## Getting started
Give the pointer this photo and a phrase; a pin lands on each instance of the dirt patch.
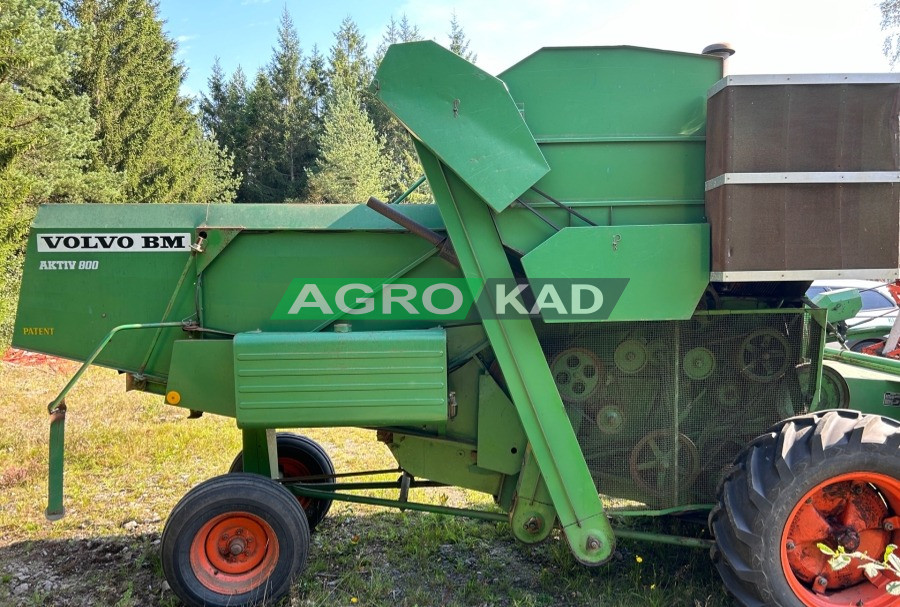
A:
(24, 358)
(83, 572)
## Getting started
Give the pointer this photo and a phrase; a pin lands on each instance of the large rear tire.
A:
(830, 477)
(234, 540)
(300, 456)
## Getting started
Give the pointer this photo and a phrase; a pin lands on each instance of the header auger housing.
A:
(606, 299)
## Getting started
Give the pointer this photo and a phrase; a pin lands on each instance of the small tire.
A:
(300, 456)
(773, 493)
(234, 540)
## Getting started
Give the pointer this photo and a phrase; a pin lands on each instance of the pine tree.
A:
(351, 165)
(127, 69)
(459, 43)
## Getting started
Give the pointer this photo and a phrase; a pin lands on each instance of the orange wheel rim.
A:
(858, 511)
(234, 553)
(291, 468)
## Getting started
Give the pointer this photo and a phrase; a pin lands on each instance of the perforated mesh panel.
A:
(660, 409)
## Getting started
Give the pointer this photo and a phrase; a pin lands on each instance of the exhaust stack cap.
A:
(719, 49)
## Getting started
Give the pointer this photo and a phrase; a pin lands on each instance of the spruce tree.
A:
(294, 150)
(351, 165)
(127, 69)
(459, 43)
(46, 133)
(349, 65)
(404, 167)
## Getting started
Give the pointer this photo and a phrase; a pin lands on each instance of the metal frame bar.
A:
(409, 191)
(777, 79)
(780, 275)
(808, 177)
(100, 347)
(57, 410)
(866, 361)
(496, 517)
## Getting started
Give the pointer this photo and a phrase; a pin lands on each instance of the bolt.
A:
(593, 543)
(236, 547)
(822, 581)
(809, 500)
(857, 489)
(532, 525)
(224, 537)
(790, 545)
(888, 526)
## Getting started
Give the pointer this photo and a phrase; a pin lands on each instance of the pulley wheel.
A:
(660, 462)
(728, 393)
(763, 356)
(699, 363)
(610, 419)
(578, 373)
(631, 356)
(834, 393)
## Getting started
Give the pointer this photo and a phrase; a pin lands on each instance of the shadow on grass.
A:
(411, 559)
(383, 559)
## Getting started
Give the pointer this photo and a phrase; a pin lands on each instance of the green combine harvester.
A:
(604, 304)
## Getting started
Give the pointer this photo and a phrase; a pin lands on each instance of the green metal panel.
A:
(70, 300)
(445, 460)
(244, 285)
(67, 312)
(340, 379)
(501, 439)
(667, 265)
(201, 375)
(628, 171)
(464, 116)
(632, 92)
(871, 391)
(619, 125)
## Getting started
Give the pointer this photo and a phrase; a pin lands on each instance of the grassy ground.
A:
(130, 458)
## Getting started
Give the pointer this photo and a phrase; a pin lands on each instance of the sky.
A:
(769, 36)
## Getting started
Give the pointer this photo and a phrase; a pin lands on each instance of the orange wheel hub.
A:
(857, 511)
(234, 553)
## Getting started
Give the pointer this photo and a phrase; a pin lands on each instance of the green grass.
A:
(130, 458)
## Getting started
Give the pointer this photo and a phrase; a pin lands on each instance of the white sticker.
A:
(113, 243)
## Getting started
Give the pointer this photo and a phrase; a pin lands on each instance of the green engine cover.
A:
(340, 379)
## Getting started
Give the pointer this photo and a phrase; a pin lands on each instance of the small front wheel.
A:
(237, 539)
